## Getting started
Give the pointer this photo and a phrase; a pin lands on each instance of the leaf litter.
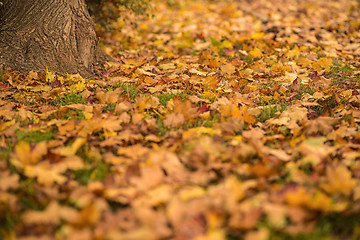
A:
(219, 120)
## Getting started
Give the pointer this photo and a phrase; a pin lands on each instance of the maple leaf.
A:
(108, 97)
(218, 234)
(228, 68)
(150, 177)
(339, 180)
(261, 234)
(191, 192)
(44, 175)
(322, 63)
(186, 109)
(24, 155)
(255, 53)
(72, 149)
(150, 81)
(51, 215)
(184, 135)
(214, 62)
(8, 181)
(174, 120)
(146, 101)
(211, 81)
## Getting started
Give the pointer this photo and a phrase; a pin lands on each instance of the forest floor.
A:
(221, 120)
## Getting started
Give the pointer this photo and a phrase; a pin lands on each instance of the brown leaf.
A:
(8, 181)
(174, 120)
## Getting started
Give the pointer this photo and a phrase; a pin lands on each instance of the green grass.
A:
(70, 114)
(203, 122)
(28, 199)
(165, 97)
(86, 175)
(110, 107)
(332, 227)
(341, 73)
(161, 127)
(5, 154)
(270, 111)
(67, 99)
(304, 89)
(34, 136)
(8, 221)
(130, 90)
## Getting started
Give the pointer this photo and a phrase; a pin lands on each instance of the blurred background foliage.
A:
(104, 11)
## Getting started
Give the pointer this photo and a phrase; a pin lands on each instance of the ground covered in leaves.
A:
(221, 120)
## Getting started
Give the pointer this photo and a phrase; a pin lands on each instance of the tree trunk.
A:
(55, 34)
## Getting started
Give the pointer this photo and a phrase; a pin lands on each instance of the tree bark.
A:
(58, 35)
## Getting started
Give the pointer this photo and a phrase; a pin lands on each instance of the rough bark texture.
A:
(55, 34)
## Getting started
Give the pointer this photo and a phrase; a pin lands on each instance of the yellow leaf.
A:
(33, 75)
(7, 124)
(339, 180)
(112, 125)
(39, 151)
(144, 102)
(320, 202)
(226, 44)
(298, 197)
(44, 176)
(88, 115)
(228, 68)
(70, 150)
(8, 181)
(49, 216)
(346, 93)
(89, 215)
(257, 35)
(159, 195)
(167, 66)
(22, 151)
(304, 62)
(246, 73)
(256, 53)
(25, 156)
(108, 97)
(211, 81)
(261, 234)
(236, 113)
(214, 63)
(322, 63)
(150, 80)
(50, 77)
(79, 87)
(199, 131)
(191, 192)
(209, 95)
(194, 71)
(276, 214)
(252, 87)
(218, 234)
(71, 162)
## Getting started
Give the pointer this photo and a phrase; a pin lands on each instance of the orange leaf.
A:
(228, 68)
(211, 81)
(26, 156)
(150, 80)
(339, 180)
(256, 53)
(174, 120)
